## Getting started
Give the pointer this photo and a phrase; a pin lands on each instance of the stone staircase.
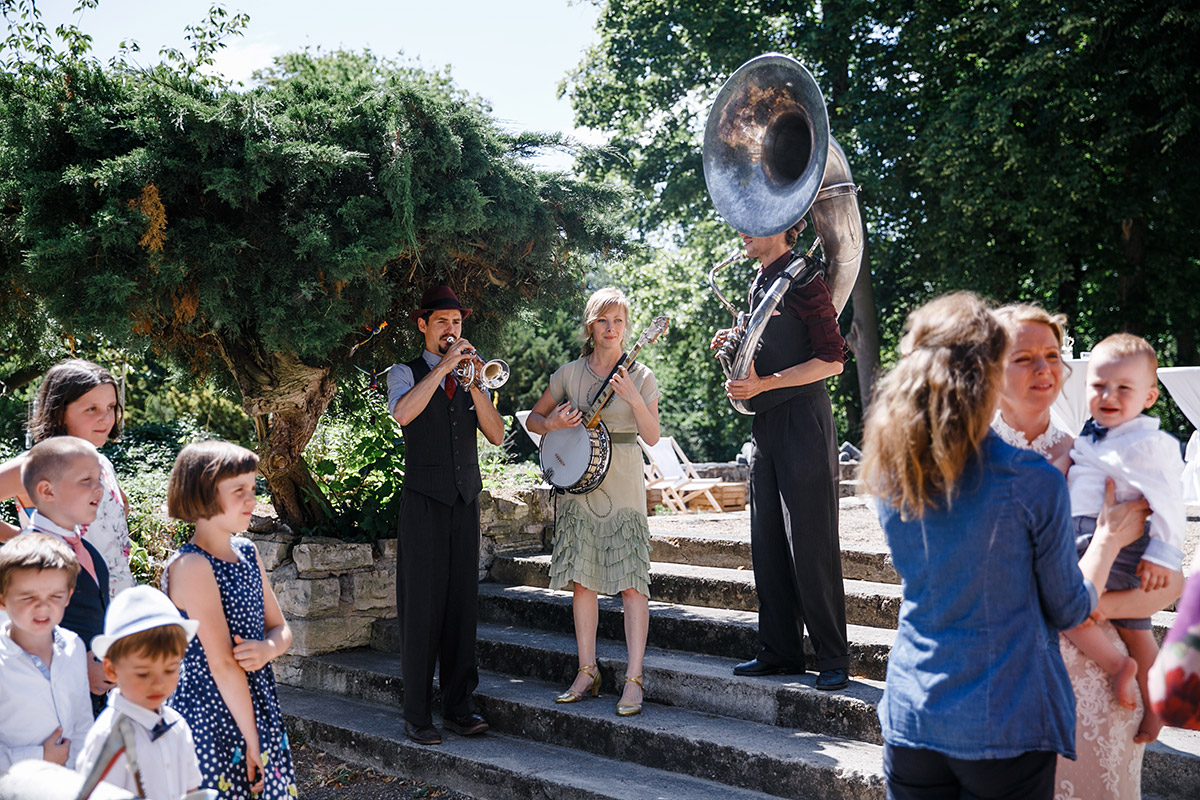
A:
(704, 733)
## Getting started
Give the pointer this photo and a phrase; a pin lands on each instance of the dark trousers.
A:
(928, 775)
(794, 534)
(437, 592)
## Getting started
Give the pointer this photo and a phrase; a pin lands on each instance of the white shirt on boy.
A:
(32, 705)
(168, 764)
(1143, 462)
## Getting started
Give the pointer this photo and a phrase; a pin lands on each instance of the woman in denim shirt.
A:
(977, 701)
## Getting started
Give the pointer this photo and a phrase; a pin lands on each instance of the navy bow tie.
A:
(1094, 429)
(161, 728)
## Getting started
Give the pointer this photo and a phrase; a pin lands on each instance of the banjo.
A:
(576, 459)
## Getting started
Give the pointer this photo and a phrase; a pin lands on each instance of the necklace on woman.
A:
(1041, 444)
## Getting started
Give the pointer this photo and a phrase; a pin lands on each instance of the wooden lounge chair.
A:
(671, 472)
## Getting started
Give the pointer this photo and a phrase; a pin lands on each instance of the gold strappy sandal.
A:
(629, 709)
(572, 696)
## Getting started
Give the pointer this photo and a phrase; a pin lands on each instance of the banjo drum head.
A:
(565, 455)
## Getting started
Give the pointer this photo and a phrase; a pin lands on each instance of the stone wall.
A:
(331, 592)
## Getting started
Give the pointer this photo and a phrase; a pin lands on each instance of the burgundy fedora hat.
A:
(440, 298)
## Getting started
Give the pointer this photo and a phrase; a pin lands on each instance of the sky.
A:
(513, 54)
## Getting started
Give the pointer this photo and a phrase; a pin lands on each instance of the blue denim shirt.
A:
(988, 583)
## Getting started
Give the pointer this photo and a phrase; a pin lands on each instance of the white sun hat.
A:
(137, 609)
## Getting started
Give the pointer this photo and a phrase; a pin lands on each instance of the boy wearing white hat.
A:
(143, 644)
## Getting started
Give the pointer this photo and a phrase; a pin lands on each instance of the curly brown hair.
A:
(932, 411)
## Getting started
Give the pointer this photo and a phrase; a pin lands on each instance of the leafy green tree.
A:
(1027, 150)
(265, 232)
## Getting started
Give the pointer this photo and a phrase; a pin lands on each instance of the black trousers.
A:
(914, 774)
(794, 533)
(437, 593)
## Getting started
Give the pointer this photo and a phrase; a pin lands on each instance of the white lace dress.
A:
(1109, 766)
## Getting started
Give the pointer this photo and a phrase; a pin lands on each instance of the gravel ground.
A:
(320, 776)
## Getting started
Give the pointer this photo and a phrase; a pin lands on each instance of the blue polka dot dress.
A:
(220, 746)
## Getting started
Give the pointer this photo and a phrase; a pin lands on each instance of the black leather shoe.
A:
(466, 725)
(830, 679)
(754, 668)
(426, 734)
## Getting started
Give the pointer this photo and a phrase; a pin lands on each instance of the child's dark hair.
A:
(48, 459)
(163, 641)
(65, 383)
(192, 488)
(38, 551)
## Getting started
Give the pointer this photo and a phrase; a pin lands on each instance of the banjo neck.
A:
(605, 394)
(655, 329)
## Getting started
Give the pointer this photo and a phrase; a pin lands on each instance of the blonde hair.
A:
(1123, 345)
(50, 458)
(192, 487)
(1014, 315)
(932, 411)
(600, 301)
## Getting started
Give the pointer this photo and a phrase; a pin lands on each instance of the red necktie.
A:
(450, 385)
(81, 552)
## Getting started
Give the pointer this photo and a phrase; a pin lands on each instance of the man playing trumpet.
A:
(793, 474)
(437, 560)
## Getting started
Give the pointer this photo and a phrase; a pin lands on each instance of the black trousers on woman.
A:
(437, 593)
(794, 533)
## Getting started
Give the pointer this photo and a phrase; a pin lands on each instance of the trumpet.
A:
(488, 375)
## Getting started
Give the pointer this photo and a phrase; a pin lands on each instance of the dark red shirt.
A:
(812, 305)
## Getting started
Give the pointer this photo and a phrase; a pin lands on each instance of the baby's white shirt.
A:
(1143, 462)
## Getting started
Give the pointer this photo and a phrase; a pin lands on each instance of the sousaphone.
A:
(769, 160)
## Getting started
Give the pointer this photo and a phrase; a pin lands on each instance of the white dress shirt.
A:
(168, 765)
(1143, 462)
(31, 706)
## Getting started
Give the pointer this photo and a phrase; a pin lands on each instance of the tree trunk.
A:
(863, 338)
(286, 399)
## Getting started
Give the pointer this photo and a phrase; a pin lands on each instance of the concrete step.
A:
(731, 636)
(742, 754)
(490, 767)
(865, 562)
(723, 540)
(867, 602)
(696, 684)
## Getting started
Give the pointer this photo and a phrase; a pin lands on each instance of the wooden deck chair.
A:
(521, 417)
(676, 476)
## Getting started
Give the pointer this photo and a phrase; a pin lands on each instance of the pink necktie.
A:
(85, 558)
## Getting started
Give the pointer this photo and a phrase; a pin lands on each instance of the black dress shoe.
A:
(426, 734)
(754, 668)
(466, 725)
(830, 679)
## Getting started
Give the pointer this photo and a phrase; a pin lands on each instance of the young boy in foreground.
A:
(45, 712)
(143, 644)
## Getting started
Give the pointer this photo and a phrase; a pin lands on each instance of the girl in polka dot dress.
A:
(227, 689)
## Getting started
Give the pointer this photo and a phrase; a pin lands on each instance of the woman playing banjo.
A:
(602, 538)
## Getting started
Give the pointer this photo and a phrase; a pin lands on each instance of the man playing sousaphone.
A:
(793, 474)
(768, 161)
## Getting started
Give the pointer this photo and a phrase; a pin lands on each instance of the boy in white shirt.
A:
(1119, 442)
(45, 710)
(143, 645)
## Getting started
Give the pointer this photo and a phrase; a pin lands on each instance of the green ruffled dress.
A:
(602, 538)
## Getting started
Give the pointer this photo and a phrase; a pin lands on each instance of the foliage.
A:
(258, 233)
(357, 453)
(1025, 150)
(142, 460)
